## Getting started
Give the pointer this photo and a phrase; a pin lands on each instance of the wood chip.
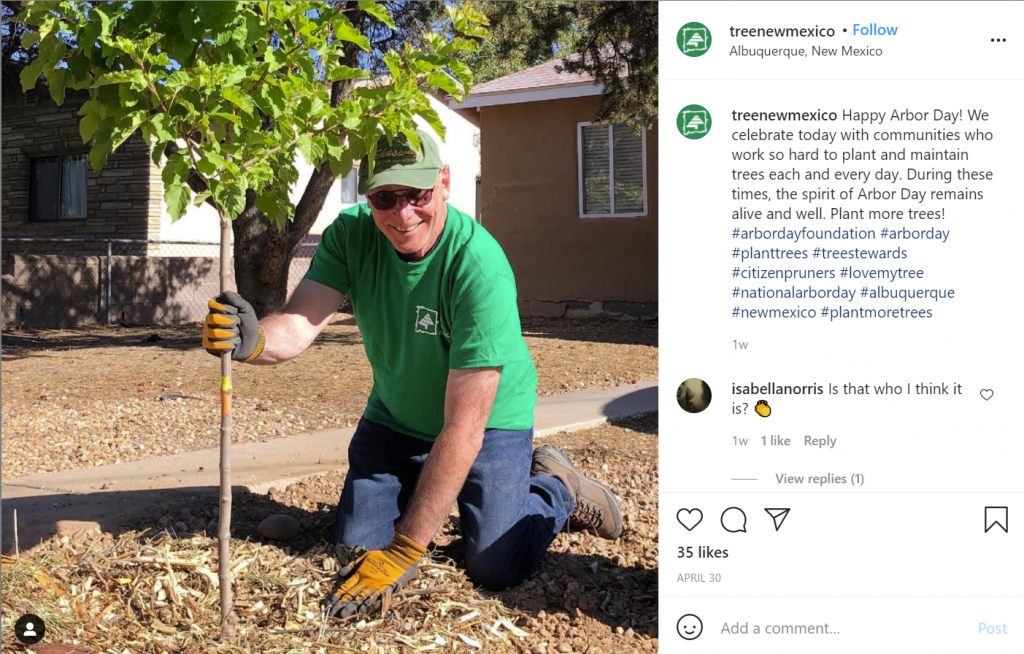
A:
(470, 641)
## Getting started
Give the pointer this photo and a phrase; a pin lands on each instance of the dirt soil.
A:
(100, 395)
(589, 595)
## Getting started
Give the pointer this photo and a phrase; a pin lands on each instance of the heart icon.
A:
(689, 518)
(987, 393)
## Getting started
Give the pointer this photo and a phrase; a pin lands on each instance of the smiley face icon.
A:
(762, 409)
(689, 627)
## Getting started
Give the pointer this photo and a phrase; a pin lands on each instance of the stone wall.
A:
(123, 199)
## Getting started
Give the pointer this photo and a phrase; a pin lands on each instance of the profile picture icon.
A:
(694, 395)
(29, 629)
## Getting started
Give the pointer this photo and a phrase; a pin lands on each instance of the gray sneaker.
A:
(596, 506)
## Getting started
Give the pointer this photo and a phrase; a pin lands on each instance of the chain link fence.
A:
(51, 282)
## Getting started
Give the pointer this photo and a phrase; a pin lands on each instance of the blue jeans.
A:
(508, 518)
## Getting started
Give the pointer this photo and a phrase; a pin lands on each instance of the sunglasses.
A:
(384, 200)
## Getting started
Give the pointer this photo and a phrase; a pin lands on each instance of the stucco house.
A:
(573, 202)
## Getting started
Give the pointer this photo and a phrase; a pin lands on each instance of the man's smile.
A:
(406, 229)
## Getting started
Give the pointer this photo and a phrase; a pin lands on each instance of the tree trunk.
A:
(263, 254)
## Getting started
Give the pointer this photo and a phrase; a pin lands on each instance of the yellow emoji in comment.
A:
(762, 408)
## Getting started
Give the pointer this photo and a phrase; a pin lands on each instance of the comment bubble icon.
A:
(734, 520)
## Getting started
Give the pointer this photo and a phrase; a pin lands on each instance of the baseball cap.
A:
(398, 162)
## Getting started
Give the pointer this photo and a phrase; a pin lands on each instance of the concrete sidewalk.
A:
(109, 496)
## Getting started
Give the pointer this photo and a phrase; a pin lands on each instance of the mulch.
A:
(154, 587)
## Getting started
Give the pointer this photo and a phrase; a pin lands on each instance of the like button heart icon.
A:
(689, 518)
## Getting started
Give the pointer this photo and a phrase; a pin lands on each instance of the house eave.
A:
(561, 92)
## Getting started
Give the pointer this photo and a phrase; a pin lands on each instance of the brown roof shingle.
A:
(537, 77)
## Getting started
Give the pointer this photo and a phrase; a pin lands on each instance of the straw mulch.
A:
(156, 589)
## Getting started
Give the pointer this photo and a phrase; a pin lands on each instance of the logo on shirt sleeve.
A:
(426, 321)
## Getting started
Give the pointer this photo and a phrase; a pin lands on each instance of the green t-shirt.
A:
(456, 308)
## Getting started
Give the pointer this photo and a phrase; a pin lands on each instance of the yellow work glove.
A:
(232, 325)
(363, 582)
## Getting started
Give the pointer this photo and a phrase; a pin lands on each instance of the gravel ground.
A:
(101, 395)
(589, 596)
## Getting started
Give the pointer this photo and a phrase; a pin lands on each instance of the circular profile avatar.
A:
(693, 121)
(693, 39)
(694, 395)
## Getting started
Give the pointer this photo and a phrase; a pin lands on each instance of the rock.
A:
(279, 527)
(180, 527)
(185, 513)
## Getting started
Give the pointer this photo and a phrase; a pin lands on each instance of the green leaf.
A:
(445, 83)
(165, 127)
(428, 114)
(126, 127)
(233, 74)
(129, 96)
(316, 107)
(237, 98)
(274, 58)
(55, 80)
(176, 170)
(394, 64)
(378, 11)
(99, 152)
(338, 72)
(31, 73)
(274, 206)
(200, 198)
(341, 168)
(305, 146)
(271, 100)
(102, 11)
(344, 30)
(29, 39)
(88, 126)
(119, 77)
(158, 152)
(176, 80)
(223, 38)
(231, 118)
(177, 198)
(462, 71)
(230, 197)
(206, 167)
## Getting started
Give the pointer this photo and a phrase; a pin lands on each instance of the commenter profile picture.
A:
(694, 395)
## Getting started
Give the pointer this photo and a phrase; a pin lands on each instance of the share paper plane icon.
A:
(778, 516)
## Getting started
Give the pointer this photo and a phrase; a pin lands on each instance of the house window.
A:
(57, 187)
(612, 170)
(350, 187)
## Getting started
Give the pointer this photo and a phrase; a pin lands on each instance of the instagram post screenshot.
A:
(333, 327)
(840, 337)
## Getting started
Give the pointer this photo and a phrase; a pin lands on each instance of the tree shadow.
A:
(28, 342)
(70, 290)
(636, 406)
(596, 330)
